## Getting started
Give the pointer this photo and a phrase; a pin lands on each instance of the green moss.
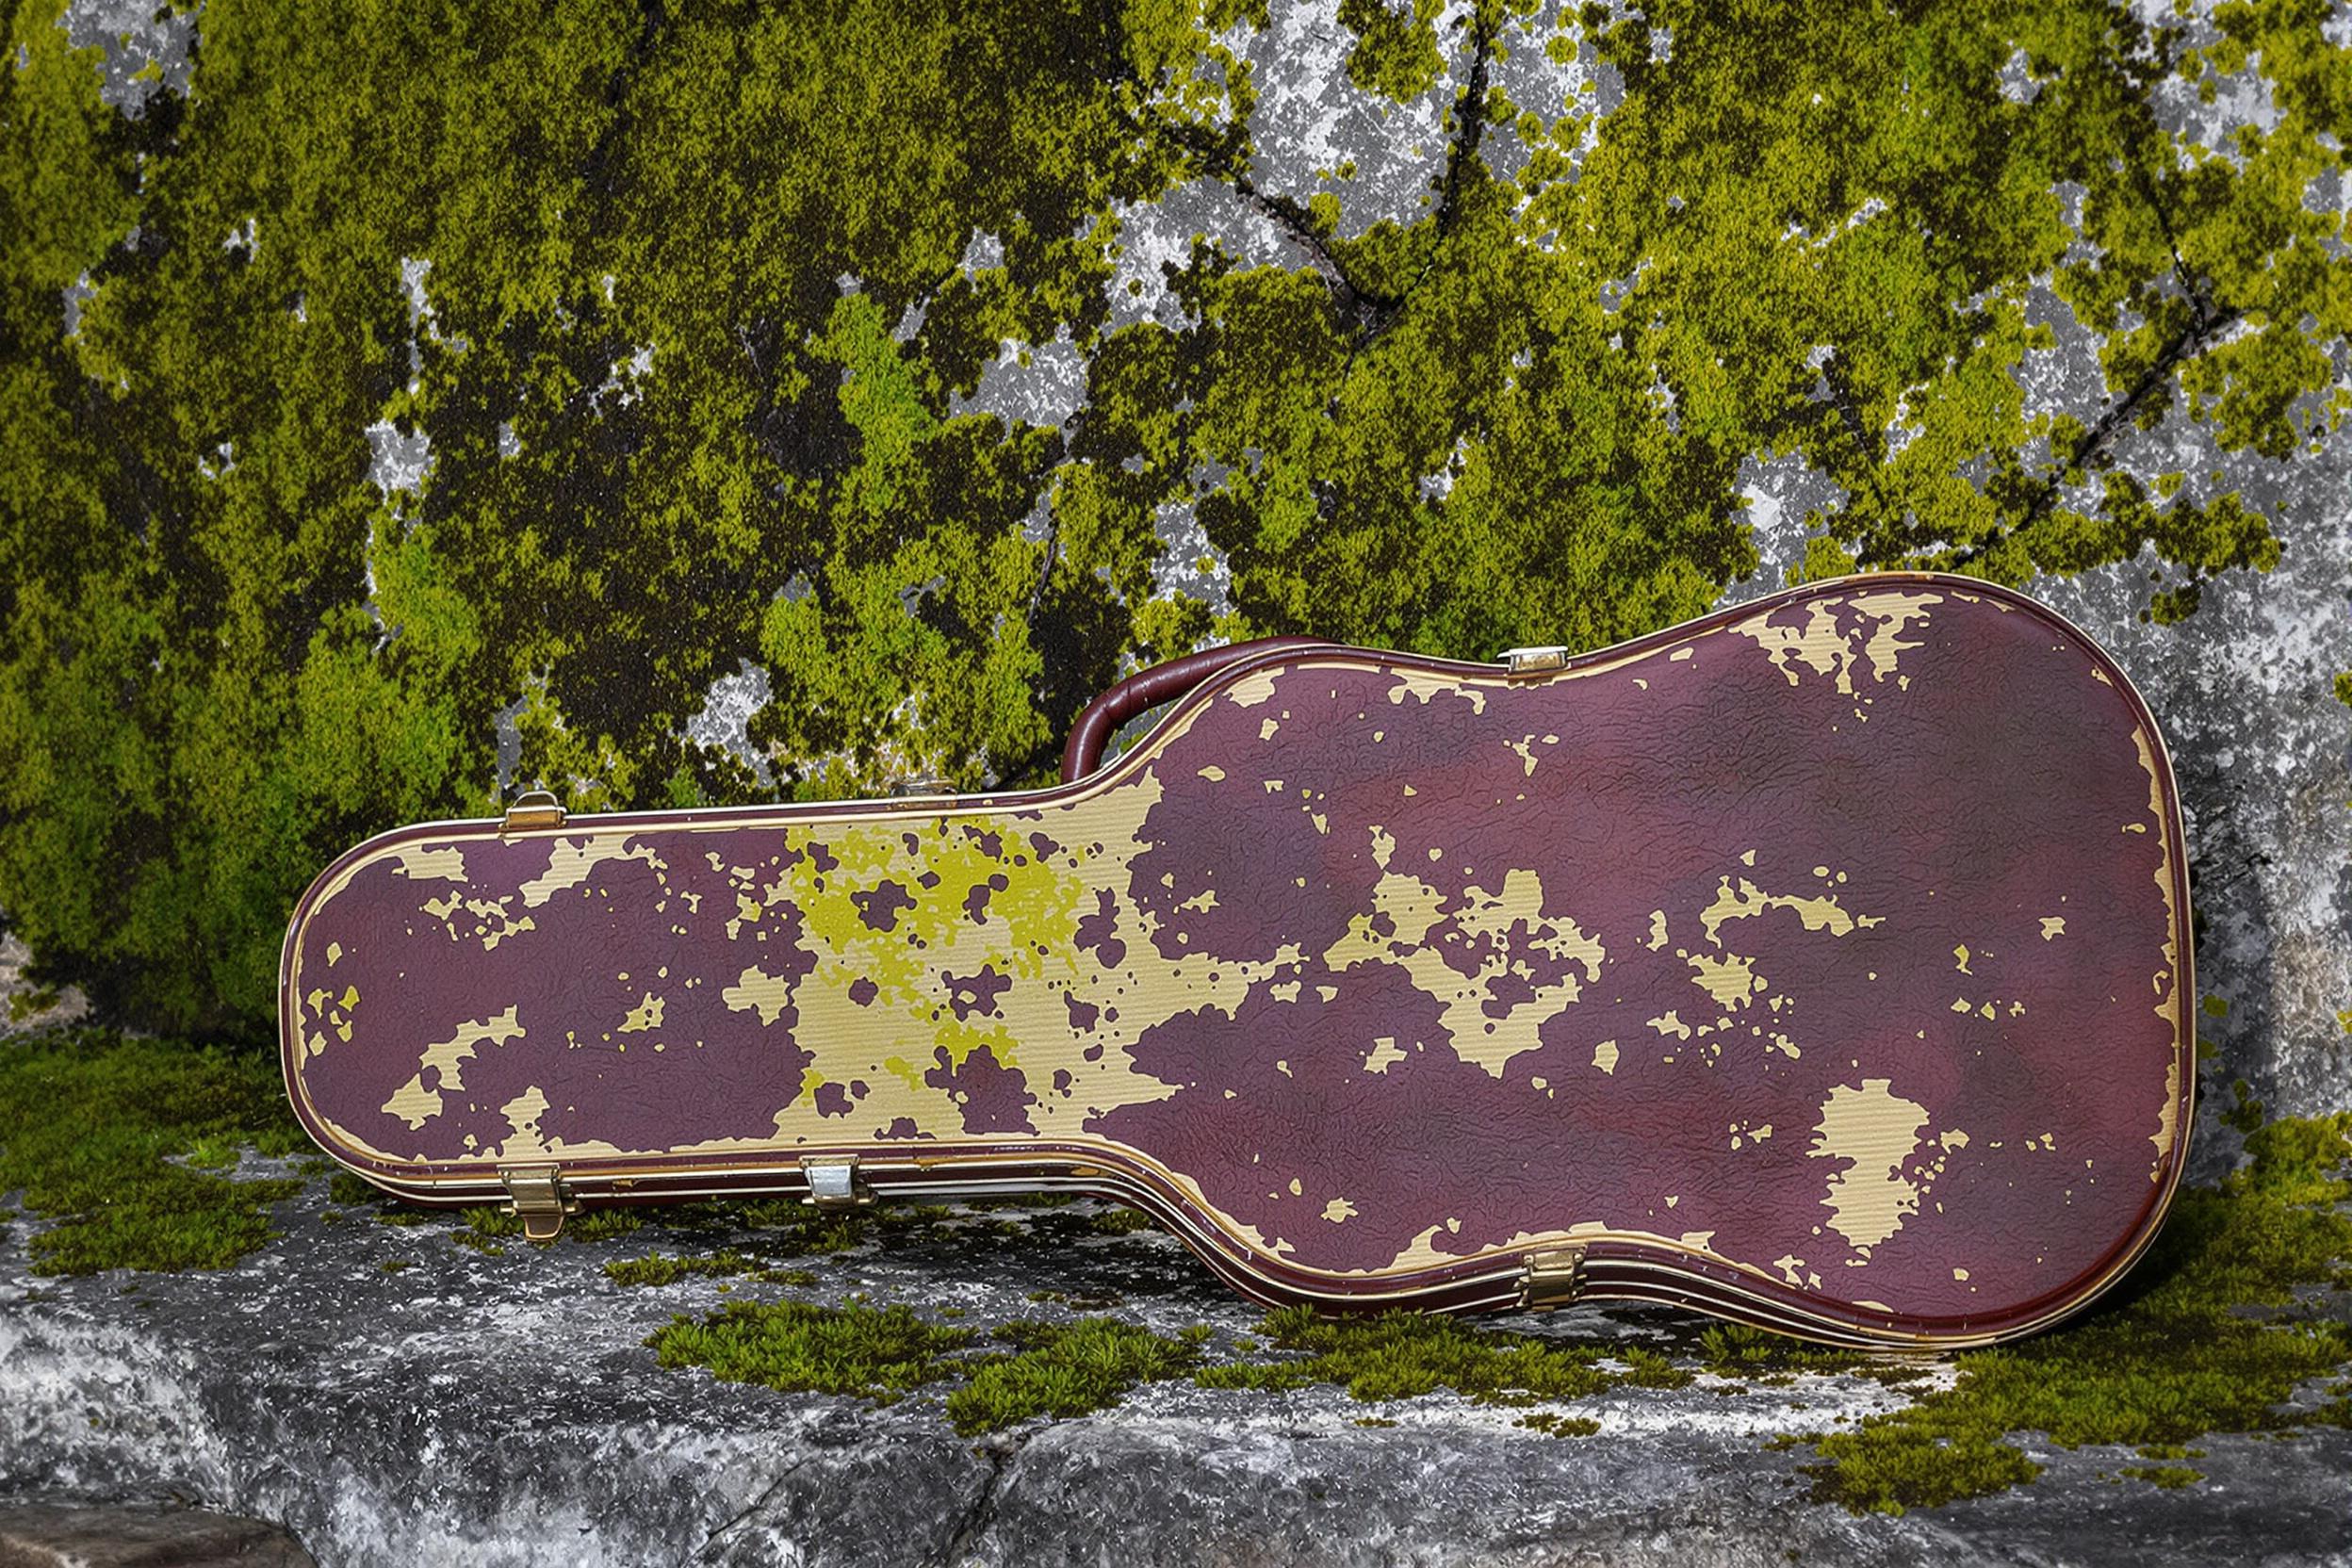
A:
(225, 657)
(1400, 1355)
(1556, 1425)
(2167, 1476)
(2212, 1332)
(794, 1347)
(1065, 1370)
(658, 1269)
(90, 1125)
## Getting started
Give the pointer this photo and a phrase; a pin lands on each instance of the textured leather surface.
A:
(1835, 940)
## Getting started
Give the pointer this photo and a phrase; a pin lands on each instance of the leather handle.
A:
(1148, 689)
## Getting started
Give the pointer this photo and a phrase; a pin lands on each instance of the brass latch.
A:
(834, 1182)
(532, 809)
(918, 792)
(1537, 661)
(539, 1199)
(1552, 1279)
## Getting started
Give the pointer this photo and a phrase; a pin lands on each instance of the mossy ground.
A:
(122, 1146)
(117, 1142)
(2213, 1332)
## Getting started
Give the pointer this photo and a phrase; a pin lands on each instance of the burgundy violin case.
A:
(1822, 963)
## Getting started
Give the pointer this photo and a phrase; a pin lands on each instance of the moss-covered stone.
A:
(1068, 1369)
(1401, 1355)
(96, 1131)
(686, 309)
(878, 1353)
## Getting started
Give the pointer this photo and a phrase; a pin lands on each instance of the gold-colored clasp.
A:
(532, 809)
(1552, 1279)
(539, 1199)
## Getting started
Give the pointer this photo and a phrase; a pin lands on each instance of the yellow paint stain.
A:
(1658, 929)
(645, 1015)
(2053, 925)
(1339, 1210)
(334, 953)
(1214, 774)
(1605, 1056)
(1961, 952)
(1670, 1023)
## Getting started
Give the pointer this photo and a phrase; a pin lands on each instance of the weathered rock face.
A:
(134, 1535)
(504, 1410)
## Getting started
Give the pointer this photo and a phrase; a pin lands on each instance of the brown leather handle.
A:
(1146, 689)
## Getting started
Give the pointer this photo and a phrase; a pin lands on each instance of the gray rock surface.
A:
(137, 1535)
(505, 1410)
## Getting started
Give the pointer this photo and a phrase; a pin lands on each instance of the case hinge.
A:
(1538, 660)
(532, 809)
(539, 1199)
(1552, 1279)
(834, 1183)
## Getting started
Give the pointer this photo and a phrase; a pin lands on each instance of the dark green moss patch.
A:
(1054, 1369)
(1066, 1370)
(1556, 1425)
(2175, 1355)
(2166, 1476)
(877, 1353)
(90, 1126)
(1399, 1355)
(657, 1270)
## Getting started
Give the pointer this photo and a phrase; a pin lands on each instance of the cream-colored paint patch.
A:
(2053, 925)
(1821, 913)
(415, 1104)
(1253, 689)
(1418, 683)
(444, 864)
(1339, 1210)
(571, 861)
(1873, 1131)
(756, 990)
(1820, 647)
(1731, 980)
(1415, 910)
(645, 1015)
(1605, 1056)
(1383, 1056)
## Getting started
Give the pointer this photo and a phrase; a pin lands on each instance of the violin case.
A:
(1822, 963)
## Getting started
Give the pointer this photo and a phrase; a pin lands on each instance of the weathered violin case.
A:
(1822, 963)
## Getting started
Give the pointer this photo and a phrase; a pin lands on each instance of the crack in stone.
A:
(758, 1505)
(983, 1511)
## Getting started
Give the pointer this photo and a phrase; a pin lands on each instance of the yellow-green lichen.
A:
(699, 380)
